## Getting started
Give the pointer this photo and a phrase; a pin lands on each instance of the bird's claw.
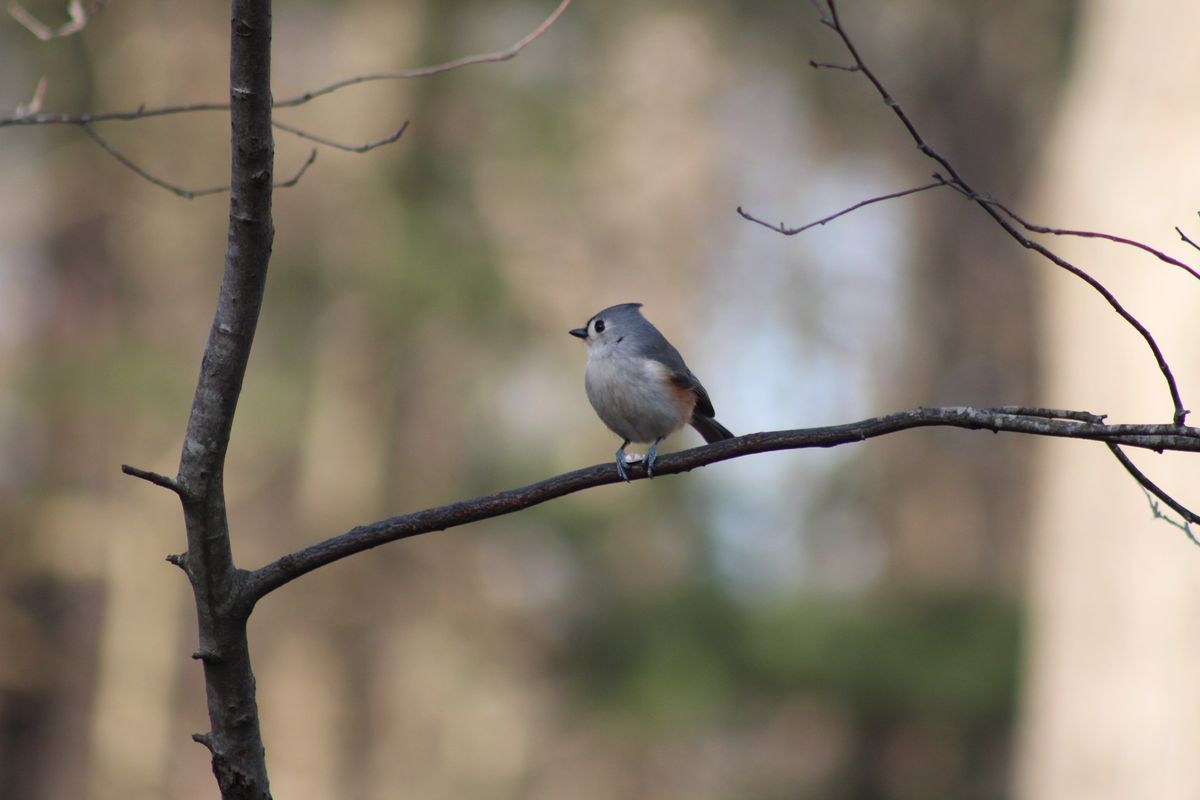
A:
(651, 457)
(621, 462)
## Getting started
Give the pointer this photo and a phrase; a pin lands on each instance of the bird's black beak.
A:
(579, 332)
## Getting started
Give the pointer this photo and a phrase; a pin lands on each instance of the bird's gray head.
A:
(609, 327)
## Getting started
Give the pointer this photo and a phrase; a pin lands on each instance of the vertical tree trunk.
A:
(222, 605)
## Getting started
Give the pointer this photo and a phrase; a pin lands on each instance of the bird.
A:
(640, 386)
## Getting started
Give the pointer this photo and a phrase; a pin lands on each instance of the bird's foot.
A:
(651, 457)
(622, 460)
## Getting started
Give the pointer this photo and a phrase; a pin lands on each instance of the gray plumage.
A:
(638, 383)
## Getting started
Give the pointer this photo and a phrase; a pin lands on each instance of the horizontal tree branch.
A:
(141, 112)
(1008, 419)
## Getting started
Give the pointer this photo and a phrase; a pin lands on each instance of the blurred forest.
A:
(849, 623)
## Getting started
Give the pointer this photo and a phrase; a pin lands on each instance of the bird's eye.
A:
(599, 326)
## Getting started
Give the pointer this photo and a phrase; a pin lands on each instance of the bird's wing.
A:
(656, 347)
(686, 380)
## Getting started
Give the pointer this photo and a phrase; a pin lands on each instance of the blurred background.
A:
(939, 614)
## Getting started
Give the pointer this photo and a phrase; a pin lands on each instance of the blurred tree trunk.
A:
(1112, 705)
(981, 102)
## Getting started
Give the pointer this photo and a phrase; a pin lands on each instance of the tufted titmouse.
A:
(639, 385)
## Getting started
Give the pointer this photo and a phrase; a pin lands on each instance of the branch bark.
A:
(1010, 419)
(222, 603)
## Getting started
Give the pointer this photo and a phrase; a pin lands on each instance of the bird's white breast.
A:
(633, 396)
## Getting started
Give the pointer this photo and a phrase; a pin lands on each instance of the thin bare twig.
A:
(1033, 228)
(816, 4)
(1150, 487)
(350, 148)
(786, 231)
(1011, 419)
(176, 189)
(153, 477)
(828, 65)
(1029, 226)
(292, 181)
(142, 112)
(78, 13)
(1185, 238)
(1157, 513)
(437, 69)
(35, 103)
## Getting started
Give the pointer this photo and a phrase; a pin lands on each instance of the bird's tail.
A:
(710, 429)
